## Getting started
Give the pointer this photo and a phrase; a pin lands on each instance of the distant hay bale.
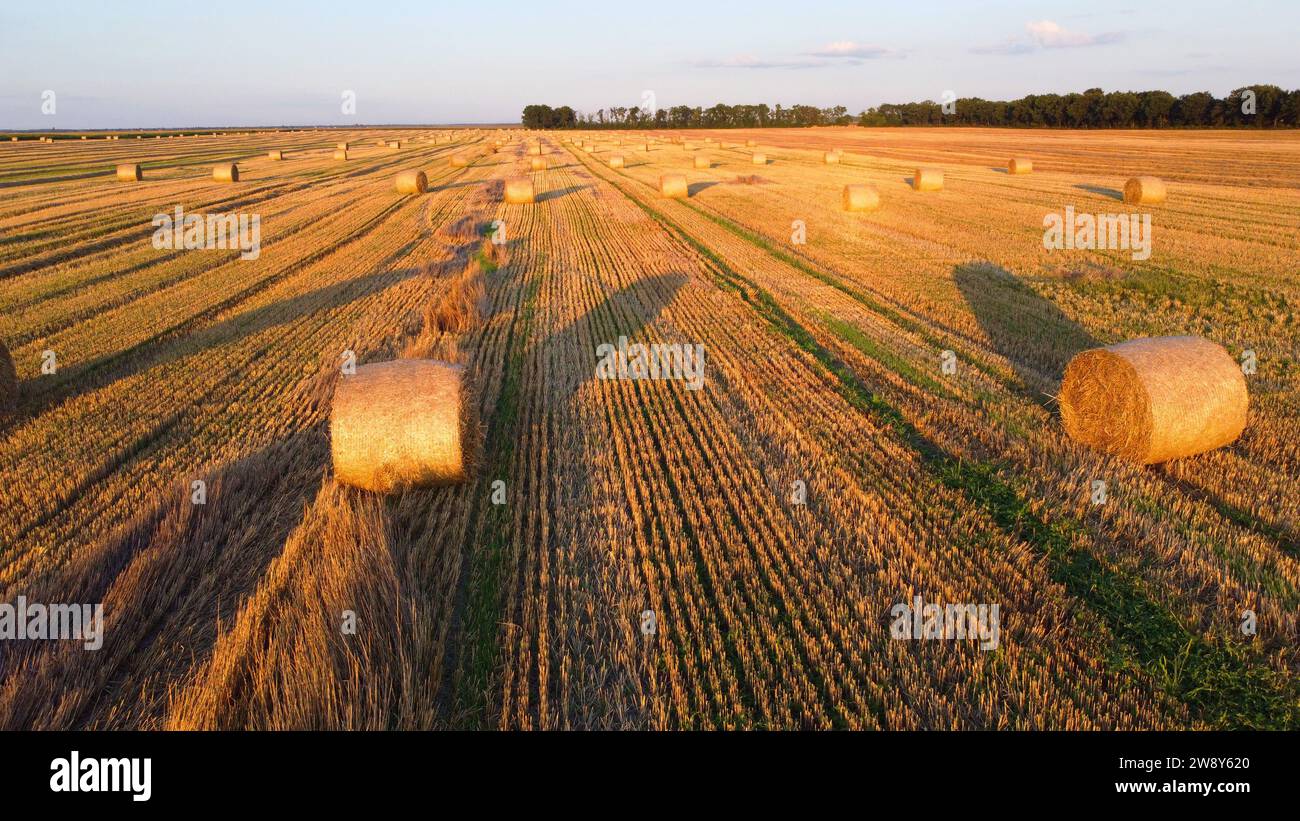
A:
(341, 145)
(226, 172)
(340, 154)
(537, 163)
(535, 150)
(403, 424)
(275, 155)
(459, 161)
(1154, 399)
(394, 143)
(758, 159)
(616, 161)
(589, 148)
(830, 158)
(8, 383)
(1020, 165)
(519, 190)
(1143, 190)
(673, 185)
(702, 161)
(412, 182)
(129, 172)
(645, 147)
(928, 179)
(381, 143)
(578, 143)
(861, 197)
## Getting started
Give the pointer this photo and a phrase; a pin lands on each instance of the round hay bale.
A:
(519, 190)
(537, 163)
(340, 154)
(8, 383)
(578, 143)
(405, 423)
(702, 161)
(535, 150)
(226, 172)
(758, 159)
(412, 182)
(275, 155)
(830, 158)
(341, 145)
(589, 148)
(1154, 399)
(1020, 165)
(394, 143)
(1144, 190)
(459, 161)
(861, 197)
(129, 172)
(673, 185)
(927, 179)
(616, 161)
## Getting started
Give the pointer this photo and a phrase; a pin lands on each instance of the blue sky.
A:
(181, 63)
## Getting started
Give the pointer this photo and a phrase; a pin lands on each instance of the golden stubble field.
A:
(829, 468)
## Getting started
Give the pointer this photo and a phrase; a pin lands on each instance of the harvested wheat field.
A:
(861, 410)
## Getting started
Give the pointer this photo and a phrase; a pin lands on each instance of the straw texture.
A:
(927, 179)
(1142, 190)
(861, 197)
(226, 172)
(412, 182)
(673, 185)
(519, 190)
(129, 172)
(1020, 165)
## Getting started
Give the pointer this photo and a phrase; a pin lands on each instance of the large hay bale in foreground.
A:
(340, 154)
(702, 161)
(616, 161)
(1154, 399)
(1020, 165)
(673, 185)
(830, 158)
(129, 172)
(861, 197)
(1144, 190)
(459, 161)
(406, 423)
(8, 383)
(927, 179)
(226, 172)
(275, 155)
(519, 190)
(758, 159)
(537, 163)
(412, 182)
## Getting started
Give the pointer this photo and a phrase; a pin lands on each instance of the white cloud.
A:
(1044, 34)
(850, 49)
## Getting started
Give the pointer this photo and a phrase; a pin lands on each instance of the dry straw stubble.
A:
(8, 383)
(405, 423)
(1155, 399)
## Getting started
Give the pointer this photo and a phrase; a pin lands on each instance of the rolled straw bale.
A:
(589, 148)
(673, 185)
(702, 161)
(8, 383)
(226, 172)
(535, 150)
(1144, 190)
(1020, 165)
(340, 154)
(537, 163)
(861, 197)
(342, 145)
(275, 155)
(928, 179)
(459, 161)
(129, 172)
(759, 159)
(394, 143)
(1154, 399)
(412, 182)
(616, 161)
(578, 143)
(519, 190)
(405, 423)
(830, 158)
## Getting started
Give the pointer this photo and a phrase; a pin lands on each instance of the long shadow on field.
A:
(696, 187)
(167, 580)
(42, 392)
(560, 192)
(1030, 331)
(625, 312)
(1113, 193)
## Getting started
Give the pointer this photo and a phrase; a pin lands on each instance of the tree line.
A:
(1258, 106)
